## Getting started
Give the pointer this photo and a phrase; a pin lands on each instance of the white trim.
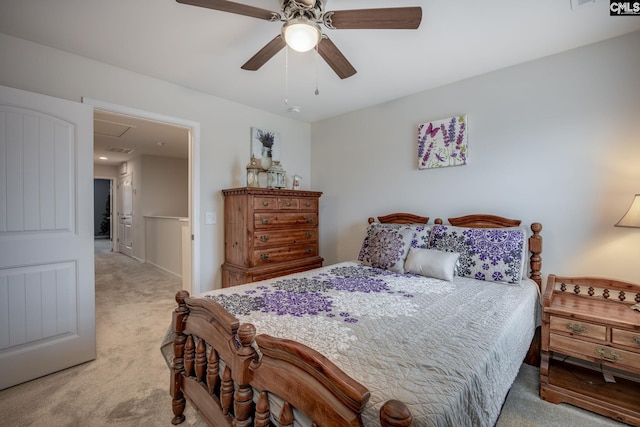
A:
(194, 166)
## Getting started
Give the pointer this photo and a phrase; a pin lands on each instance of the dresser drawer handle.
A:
(607, 354)
(287, 203)
(265, 203)
(309, 250)
(576, 329)
(264, 257)
(308, 204)
(265, 220)
(309, 235)
(264, 238)
(309, 219)
(636, 340)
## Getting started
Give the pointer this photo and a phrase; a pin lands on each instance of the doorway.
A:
(101, 208)
(191, 265)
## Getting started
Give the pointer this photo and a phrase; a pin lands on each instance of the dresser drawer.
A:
(268, 237)
(270, 203)
(308, 205)
(288, 204)
(578, 328)
(627, 338)
(277, 219)
(281, 254)
(596, 352)
(265, 203)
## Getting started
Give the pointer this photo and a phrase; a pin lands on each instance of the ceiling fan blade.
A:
(232, 7)
(336, 60)
(265, 54)
(401, 18)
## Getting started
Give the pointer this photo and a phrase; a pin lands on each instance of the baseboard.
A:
(179, 276)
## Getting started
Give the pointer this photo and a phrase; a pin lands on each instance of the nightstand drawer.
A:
(626, 338)
(595, 352)
(578, 328)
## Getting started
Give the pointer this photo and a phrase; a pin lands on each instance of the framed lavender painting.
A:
(443, 143)
(265, 147)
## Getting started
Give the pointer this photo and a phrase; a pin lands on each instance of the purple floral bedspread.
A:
(449, 350)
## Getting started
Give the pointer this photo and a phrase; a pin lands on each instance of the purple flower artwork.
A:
(443, 143)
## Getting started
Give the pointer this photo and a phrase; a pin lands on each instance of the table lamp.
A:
(632, 217)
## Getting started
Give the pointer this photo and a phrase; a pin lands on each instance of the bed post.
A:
(395, 414)
(535, 247)
(177, 366)
(535, 262)
(248, 355)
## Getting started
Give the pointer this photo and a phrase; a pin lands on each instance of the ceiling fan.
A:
(301, 29)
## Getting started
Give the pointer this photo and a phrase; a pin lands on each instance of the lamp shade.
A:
(632, 217)
(300, 34)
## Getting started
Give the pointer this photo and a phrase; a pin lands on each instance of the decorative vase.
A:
(265, 159)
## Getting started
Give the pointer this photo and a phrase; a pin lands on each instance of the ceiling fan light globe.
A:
(301, 35)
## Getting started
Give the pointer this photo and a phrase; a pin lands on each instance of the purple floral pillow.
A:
(492, 254)
(386, 247)
(420, 234)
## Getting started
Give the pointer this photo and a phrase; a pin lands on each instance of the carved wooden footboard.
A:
(228, 373)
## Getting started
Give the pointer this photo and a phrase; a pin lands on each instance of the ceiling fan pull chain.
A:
(286, 76)
(317, 55)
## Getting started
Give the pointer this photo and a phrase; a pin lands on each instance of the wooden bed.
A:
(227, 371)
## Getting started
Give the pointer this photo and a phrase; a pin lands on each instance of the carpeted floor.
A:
(128, 383)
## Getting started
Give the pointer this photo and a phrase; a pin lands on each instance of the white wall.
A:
(106, 172)
(165, 184)
(555, 140)
(225, 126)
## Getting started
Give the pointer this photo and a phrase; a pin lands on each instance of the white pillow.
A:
(431, 263)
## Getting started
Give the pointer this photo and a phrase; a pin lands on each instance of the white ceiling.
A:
(118, 138)
(203, 49)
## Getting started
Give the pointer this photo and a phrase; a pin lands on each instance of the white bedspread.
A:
(449, 350)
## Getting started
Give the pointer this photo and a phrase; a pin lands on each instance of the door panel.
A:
(125, 216)
(47, 307)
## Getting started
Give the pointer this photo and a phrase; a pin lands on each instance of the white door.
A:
(47, 304)
(125, 216)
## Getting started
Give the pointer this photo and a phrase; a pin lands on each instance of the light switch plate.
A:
(210, 218)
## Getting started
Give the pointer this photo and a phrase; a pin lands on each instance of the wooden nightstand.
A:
(591, 320)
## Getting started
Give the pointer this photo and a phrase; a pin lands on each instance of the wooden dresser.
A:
(590, 322)
(269, 233)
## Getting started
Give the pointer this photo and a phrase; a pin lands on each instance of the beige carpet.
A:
(127, 385)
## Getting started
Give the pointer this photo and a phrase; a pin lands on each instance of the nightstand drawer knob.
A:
(309, 219)
(264, 257)
(576, 329)
(265, 220)
(636, 340)
(265, 203)
(264, 238)
(607, 354)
